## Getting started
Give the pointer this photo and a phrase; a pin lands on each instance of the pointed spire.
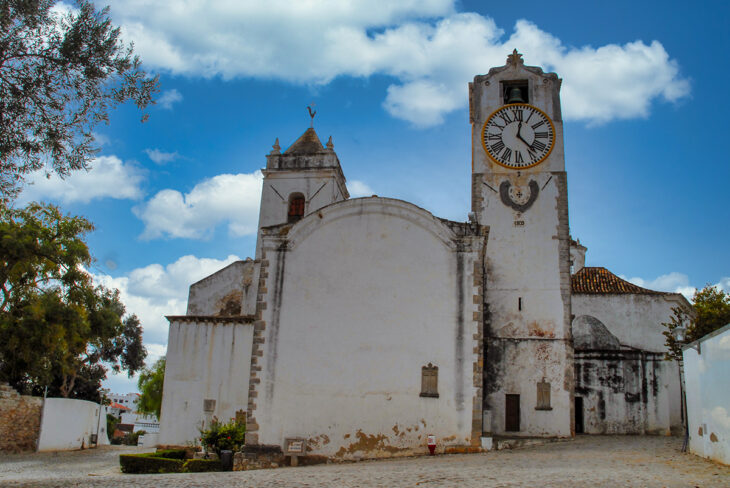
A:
(276, 148)
(308, 143)
(330, 145)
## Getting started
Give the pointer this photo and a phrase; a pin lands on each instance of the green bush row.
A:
(169, 461)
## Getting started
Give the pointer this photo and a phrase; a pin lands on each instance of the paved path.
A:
(604, 461)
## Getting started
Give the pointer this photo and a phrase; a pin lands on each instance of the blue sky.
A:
(176, 198)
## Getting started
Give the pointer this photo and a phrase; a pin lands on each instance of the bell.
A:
(515, 95)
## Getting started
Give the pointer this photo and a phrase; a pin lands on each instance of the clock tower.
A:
(519, 190)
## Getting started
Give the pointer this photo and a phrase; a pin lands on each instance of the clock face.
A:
(518, 136)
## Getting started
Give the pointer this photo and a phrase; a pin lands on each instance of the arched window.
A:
(296, 207)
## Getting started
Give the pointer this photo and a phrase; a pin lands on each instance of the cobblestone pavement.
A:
(604, 461)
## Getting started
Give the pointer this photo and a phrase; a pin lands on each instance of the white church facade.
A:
(364, 325)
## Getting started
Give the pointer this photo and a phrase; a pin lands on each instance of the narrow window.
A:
(429, 381)
(512, 413)
(296, 207)
(519, 303)
(543, 395)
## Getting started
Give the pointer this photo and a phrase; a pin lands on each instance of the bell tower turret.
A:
(519, 190)
(302, 179)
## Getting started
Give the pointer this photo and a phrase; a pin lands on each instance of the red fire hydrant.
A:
(431, 444)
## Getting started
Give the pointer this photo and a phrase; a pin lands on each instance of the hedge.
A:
(145, 464)
(166, 461)
(202, 465)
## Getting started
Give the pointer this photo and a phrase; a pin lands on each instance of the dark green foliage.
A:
(60, 75)
(148, 463)
(710, 311)
(166, 461)
(229, 436)
(202, 465)
(169, 453)
(111, 425)
(150, 385)
(58, 330)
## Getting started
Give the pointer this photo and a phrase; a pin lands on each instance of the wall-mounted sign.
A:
(295, 446)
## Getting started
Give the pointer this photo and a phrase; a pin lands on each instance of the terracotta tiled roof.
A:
(118, 405)
(308, 143)
(601, 280)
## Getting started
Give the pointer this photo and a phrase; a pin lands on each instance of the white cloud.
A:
(427, 47)
(160, 157)
(676, 283)
(224, 198)
(101, 139)
(168, 98)
(152, 292)
(108, 177)
(156, 290)
(359, 189)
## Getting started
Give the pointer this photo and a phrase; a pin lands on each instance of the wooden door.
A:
(579, 429)
(512, 413)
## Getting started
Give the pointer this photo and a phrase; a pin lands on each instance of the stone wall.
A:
(20, 420)
(355, 300)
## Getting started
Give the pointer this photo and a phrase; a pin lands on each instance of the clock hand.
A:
(519, 129)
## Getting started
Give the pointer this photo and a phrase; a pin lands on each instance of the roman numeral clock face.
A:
(518, 136)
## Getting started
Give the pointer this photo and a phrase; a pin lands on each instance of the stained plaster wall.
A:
(225, 292)
(355, 300)
(636, 321)
(206, 359)
(707, 380)
(624, 392)
(528, 265)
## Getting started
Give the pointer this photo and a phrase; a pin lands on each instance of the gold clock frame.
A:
(520, 168)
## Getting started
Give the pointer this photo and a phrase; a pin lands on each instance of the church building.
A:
(364, 325)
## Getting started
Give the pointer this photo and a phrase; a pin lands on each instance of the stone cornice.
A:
(246, 319)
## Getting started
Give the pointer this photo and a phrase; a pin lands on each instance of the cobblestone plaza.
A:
(604, 461)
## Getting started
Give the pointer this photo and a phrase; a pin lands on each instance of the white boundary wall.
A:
(68, 424)
(707, 379)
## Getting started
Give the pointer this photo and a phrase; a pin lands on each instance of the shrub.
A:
(168, 453)
(111, 424)
(147, 463)
(202, 465)
(166, 461)
(219, 437)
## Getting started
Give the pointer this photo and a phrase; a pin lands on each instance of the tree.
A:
(150, 385)
(710, 311)
(58, 330)
(60, 74)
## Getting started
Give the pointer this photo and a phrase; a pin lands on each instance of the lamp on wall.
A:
(680, 333)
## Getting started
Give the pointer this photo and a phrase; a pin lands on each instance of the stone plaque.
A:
(295, 446)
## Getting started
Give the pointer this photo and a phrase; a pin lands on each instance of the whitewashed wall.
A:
(68, 424)
(224, 292)
(205, 360)
(636, 321)
(369, 291)
(707, 379)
